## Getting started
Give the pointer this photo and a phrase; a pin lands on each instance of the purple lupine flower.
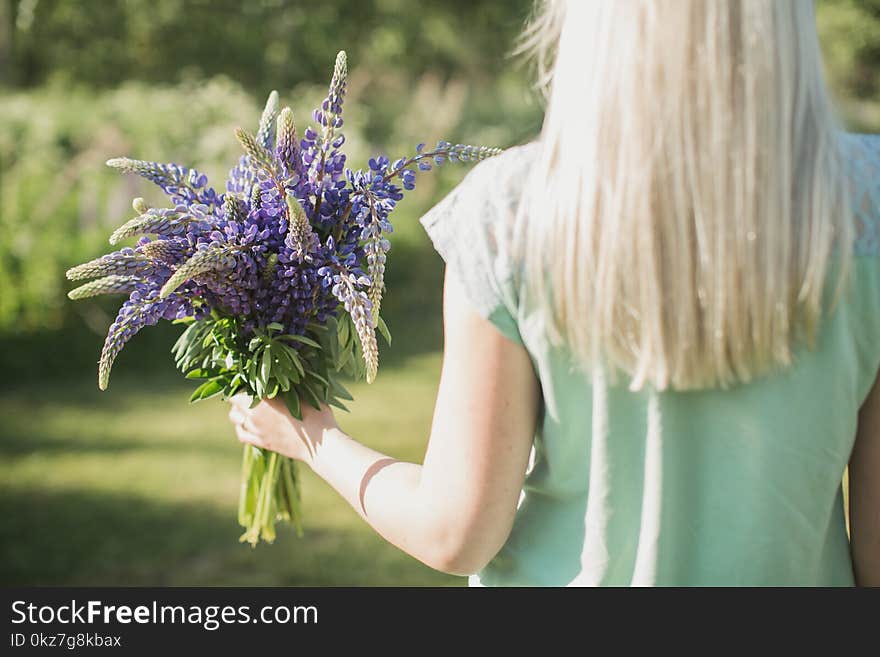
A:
(266, 129)
(301, 239)
(178, 220)
(241, 177)
(324, 162)
(141, 309)
(112, 284)
(296, 239)
(124, 262)
(214, 257)
(170, 250)
(183, 185)
(287, 150)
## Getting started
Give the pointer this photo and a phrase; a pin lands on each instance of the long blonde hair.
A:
(689, 192)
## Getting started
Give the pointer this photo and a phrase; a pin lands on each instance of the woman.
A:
(674, 296)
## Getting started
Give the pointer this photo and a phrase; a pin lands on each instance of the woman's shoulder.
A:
(498, 180)
(861, 151)
(511, 162)
(488, 195)
(471, 228)
(863, 144)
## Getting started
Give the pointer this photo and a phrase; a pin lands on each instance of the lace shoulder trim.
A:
(863, 155)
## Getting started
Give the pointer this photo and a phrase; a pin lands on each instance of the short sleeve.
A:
(863, 157)
(471, 229)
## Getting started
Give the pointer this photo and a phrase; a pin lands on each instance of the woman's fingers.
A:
(242, 419)
(263, 427)
(246, 436)
(235, 415)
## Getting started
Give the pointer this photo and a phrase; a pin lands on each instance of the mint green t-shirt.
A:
(715, 487)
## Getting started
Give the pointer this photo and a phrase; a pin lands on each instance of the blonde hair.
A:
(689, 192)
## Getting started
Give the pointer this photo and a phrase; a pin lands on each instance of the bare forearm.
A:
(384, 491)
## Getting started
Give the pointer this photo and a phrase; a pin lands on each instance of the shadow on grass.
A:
(75, 417)
(77, 538)
(17, 443)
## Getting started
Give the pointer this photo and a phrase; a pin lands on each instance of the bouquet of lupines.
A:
(279, 279)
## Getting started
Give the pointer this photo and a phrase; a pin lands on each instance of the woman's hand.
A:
(271, 426)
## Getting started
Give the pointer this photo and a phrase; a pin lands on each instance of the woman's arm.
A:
(455, 511)
(864, 492)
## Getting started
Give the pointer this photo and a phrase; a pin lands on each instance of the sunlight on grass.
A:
(135, 486)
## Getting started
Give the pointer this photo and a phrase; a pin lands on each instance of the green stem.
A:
(254, 497)
(245, 511)
(269, 492)
(283, 503)
(266, 513)
(291, 485)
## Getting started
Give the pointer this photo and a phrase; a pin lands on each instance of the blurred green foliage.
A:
(259, 43)
(850, 34)
(169, 80)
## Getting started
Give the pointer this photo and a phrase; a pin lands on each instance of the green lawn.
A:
(136, 487)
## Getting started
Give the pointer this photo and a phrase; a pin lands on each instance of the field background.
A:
(133, 486)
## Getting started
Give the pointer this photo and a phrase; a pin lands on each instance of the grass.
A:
(135, 487)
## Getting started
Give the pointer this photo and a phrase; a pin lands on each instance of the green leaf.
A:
(294, 358)
(232, 388)
(206, 390)
(356, 365)
(333, 401)
(310, 396)
(383, 329)
(343, 333)
(192, 333)
(291, 398)
(251, 367)
(197, 393)
(275, 326)
(332, 340)
(343, 359)
(340, 390)
(266, 366)
(303, 339)
(287, 365)
(320, 378)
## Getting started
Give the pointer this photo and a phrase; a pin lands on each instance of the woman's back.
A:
(718, 486)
